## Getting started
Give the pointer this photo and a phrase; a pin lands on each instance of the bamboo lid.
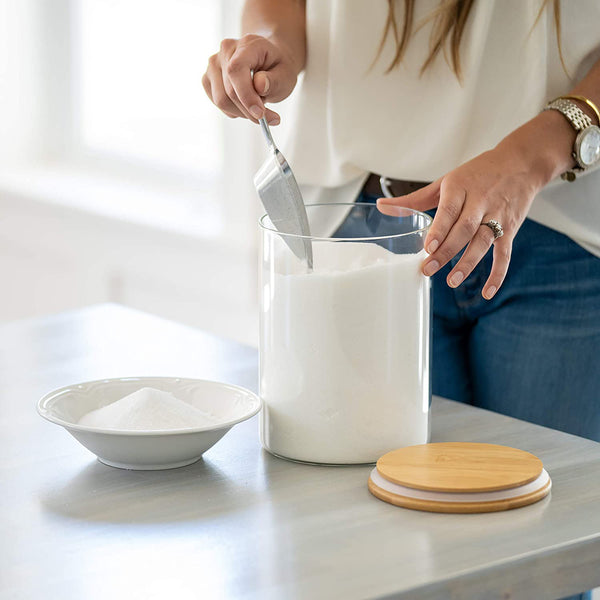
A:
(460, 477)
(459, 467)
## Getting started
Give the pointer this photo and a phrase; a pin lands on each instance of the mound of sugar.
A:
(148, 409)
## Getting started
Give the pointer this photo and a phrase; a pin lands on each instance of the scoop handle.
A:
(267, 133)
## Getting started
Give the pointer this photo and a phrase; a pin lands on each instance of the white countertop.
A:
(241, 523)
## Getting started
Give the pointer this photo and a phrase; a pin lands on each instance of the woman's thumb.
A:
(262, 83)
(276, 84)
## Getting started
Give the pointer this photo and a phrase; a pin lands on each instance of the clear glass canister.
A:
(345, 346)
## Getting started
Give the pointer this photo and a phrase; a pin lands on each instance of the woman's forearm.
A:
(589, 87)
(281, 21)
(546, 141)
(498, 185)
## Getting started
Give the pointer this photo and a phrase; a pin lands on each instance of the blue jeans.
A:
(533, 351)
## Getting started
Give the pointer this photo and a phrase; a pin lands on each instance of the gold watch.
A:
(586, 150)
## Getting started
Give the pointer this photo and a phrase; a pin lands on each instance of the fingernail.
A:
(489, 292)
(274, 121)
(456, 279)
(431, 267)
(433, 245)
(256, 112)
(267, 86)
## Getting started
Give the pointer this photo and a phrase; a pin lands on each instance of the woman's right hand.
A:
(229, 80)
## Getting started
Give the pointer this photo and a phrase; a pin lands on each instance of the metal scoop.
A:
(281, 197)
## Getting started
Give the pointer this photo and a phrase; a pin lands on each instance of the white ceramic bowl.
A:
(148, 450)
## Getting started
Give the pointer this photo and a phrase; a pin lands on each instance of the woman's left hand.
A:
(497, 185)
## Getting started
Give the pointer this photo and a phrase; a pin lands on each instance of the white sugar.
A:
(344, 355)
(148, 409)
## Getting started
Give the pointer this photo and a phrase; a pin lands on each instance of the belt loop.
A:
(384, 182)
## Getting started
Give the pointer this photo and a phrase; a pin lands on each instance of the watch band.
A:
(585, 101)
(578, 119)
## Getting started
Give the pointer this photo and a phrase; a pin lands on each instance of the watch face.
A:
(589, 146)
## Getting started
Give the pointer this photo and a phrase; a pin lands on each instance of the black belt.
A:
(398, 187)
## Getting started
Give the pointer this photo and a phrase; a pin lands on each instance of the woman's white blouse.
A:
(348, 118)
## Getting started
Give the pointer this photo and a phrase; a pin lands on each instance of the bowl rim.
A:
(44, 406)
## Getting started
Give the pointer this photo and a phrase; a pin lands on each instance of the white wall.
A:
(55, 257)
(161, 246)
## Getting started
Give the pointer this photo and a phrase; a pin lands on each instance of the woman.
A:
(445, 100)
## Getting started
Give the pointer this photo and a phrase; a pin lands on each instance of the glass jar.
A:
(345, 346)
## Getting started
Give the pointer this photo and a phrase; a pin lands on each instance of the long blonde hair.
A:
(448, 23)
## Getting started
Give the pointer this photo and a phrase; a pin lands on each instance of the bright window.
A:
(138, 69)
(108, 114)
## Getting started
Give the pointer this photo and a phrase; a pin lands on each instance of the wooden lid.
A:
(459, 467)
(468, 503)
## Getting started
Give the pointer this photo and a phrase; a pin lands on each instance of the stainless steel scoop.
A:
(281, 197)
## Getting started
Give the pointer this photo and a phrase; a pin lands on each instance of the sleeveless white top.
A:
(347, 118)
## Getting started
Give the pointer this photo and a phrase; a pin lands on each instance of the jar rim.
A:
(271, 228)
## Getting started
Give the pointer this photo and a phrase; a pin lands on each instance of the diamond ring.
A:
(495, 227)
